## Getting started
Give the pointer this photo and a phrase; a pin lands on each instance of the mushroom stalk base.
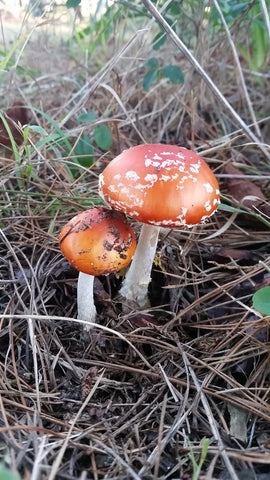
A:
(135, 285)
(85, 298)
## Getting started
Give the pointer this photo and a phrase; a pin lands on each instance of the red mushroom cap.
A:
(98, 241)
(161, 185)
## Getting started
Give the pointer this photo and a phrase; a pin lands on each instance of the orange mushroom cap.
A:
(162, 185)
(98, 241)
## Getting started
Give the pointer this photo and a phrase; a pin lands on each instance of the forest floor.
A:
(181, 389)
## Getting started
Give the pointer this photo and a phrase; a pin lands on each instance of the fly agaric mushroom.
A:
(161, 186)
(96, 242)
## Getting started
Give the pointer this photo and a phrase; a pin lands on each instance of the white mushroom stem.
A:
(85, 299)
(135, 285)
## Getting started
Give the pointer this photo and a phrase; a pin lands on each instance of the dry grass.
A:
(138, 398)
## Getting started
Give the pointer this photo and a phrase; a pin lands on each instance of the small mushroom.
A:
(96, 242)
(161, 186)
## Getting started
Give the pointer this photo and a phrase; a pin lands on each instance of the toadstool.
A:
(161, 186)
(96, 242)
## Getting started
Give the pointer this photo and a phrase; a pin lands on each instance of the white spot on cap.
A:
(132, 175)
(138, 202)
(167, 154)
(117, 176)
(207, 206)
(170, 223)
(112, 188)
(168, 164)
(133, 214)
(180, 223)
(195, 167)
(149, 162)
(152, 178)
(101, 180)
(155, 222)
(165, 178)
(177, 223)
(208, 187)
(180, 155)
(182, 214)
(140, 187)
(183, 179)
(182, 168)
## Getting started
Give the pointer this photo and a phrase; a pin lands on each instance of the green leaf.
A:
(27, 71)
(38, 129)
(259, 45)
(152, 63)
(174, 9)
(173, 73)
(6, 474)
(49, 139)
(87, 117)
(103, 137)
(229, 208)
(149, 78)
(73, 3)
(28, 170)
(11, 138)
(159, 40)
(261, 300)
(83, 151)
(25, 134)
(205, 446)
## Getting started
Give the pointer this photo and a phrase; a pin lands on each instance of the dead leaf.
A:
(243, 188)
(87, 382)
(238, 422)
(245, 191)
(16, 115)
(143, 320)
(234, 253)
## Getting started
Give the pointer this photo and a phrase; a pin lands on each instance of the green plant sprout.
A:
(198, 466)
